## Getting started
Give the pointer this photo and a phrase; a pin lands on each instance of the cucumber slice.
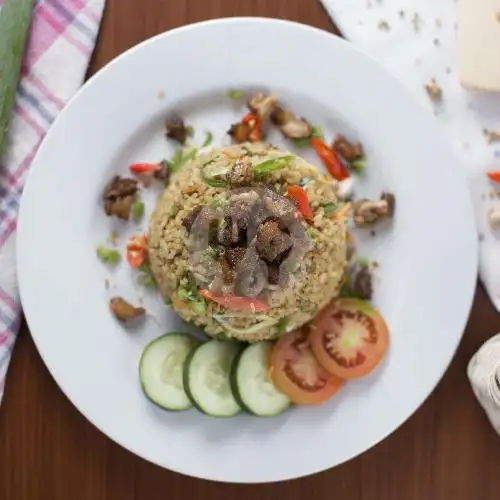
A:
(252, 385)
(207, 378)
(160, 370)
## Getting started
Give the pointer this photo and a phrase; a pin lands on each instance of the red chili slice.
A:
(330, 159)
(234, 302)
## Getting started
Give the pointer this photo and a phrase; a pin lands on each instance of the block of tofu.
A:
(479, 44)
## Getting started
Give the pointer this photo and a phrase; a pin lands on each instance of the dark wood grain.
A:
(48, 451)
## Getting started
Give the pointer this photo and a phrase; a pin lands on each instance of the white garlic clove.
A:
(494, 218)
(345, 189)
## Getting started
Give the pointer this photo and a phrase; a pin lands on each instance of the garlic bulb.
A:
(484, 376)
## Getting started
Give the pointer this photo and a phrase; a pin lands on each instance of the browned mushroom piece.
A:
(290, 125)
(124, 311)
(273, 273)
(240, 132)
(164, 173)
(176, 130)
(368, 212)
(347, 149)
(263, 104)
(235, 255)
(191, 217)
(119, 197)
(241, 216)
(362, 285)
(228, 232)
(228, 272)
(271, 241)
(391, 201)
(251, 275)
(241, 173)
(279, 116)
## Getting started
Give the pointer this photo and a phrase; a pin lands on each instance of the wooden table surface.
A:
(48, 451)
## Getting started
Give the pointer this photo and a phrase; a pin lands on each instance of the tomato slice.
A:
(349, 338)
(297, 374)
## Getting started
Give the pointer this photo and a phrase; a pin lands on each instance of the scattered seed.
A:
(498, 17)
(161, 93)
(491, 136)
(481, 237)
(107, 284)
(416, 22)
(448, 70)
(383, 25)
(436, 42)
(434, 90)
(438, 22)
(401, 14)
(373, 232)
(113, 237)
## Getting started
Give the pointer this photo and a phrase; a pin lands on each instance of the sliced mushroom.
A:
(235, 255)
(119, 197)
(176, 130)
(272, 242)
(251, 275)
(191, 217)
(347, 149)
(368, 212)
(240, 132)
(290, 125)
(241, 173)
(363, 286)
(228, 232)
(124, 311)
(273, 275)
(263, 104)
(228, 272)
(297, 129)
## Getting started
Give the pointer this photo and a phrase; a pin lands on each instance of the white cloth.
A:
(416, 40)
(484, 376)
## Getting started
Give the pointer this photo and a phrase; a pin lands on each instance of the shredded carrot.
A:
(226, 154)
(342, 213)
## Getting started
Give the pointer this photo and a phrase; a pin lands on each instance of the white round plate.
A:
(427, 273)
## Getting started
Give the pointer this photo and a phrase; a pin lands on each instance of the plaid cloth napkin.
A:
(62, 38)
